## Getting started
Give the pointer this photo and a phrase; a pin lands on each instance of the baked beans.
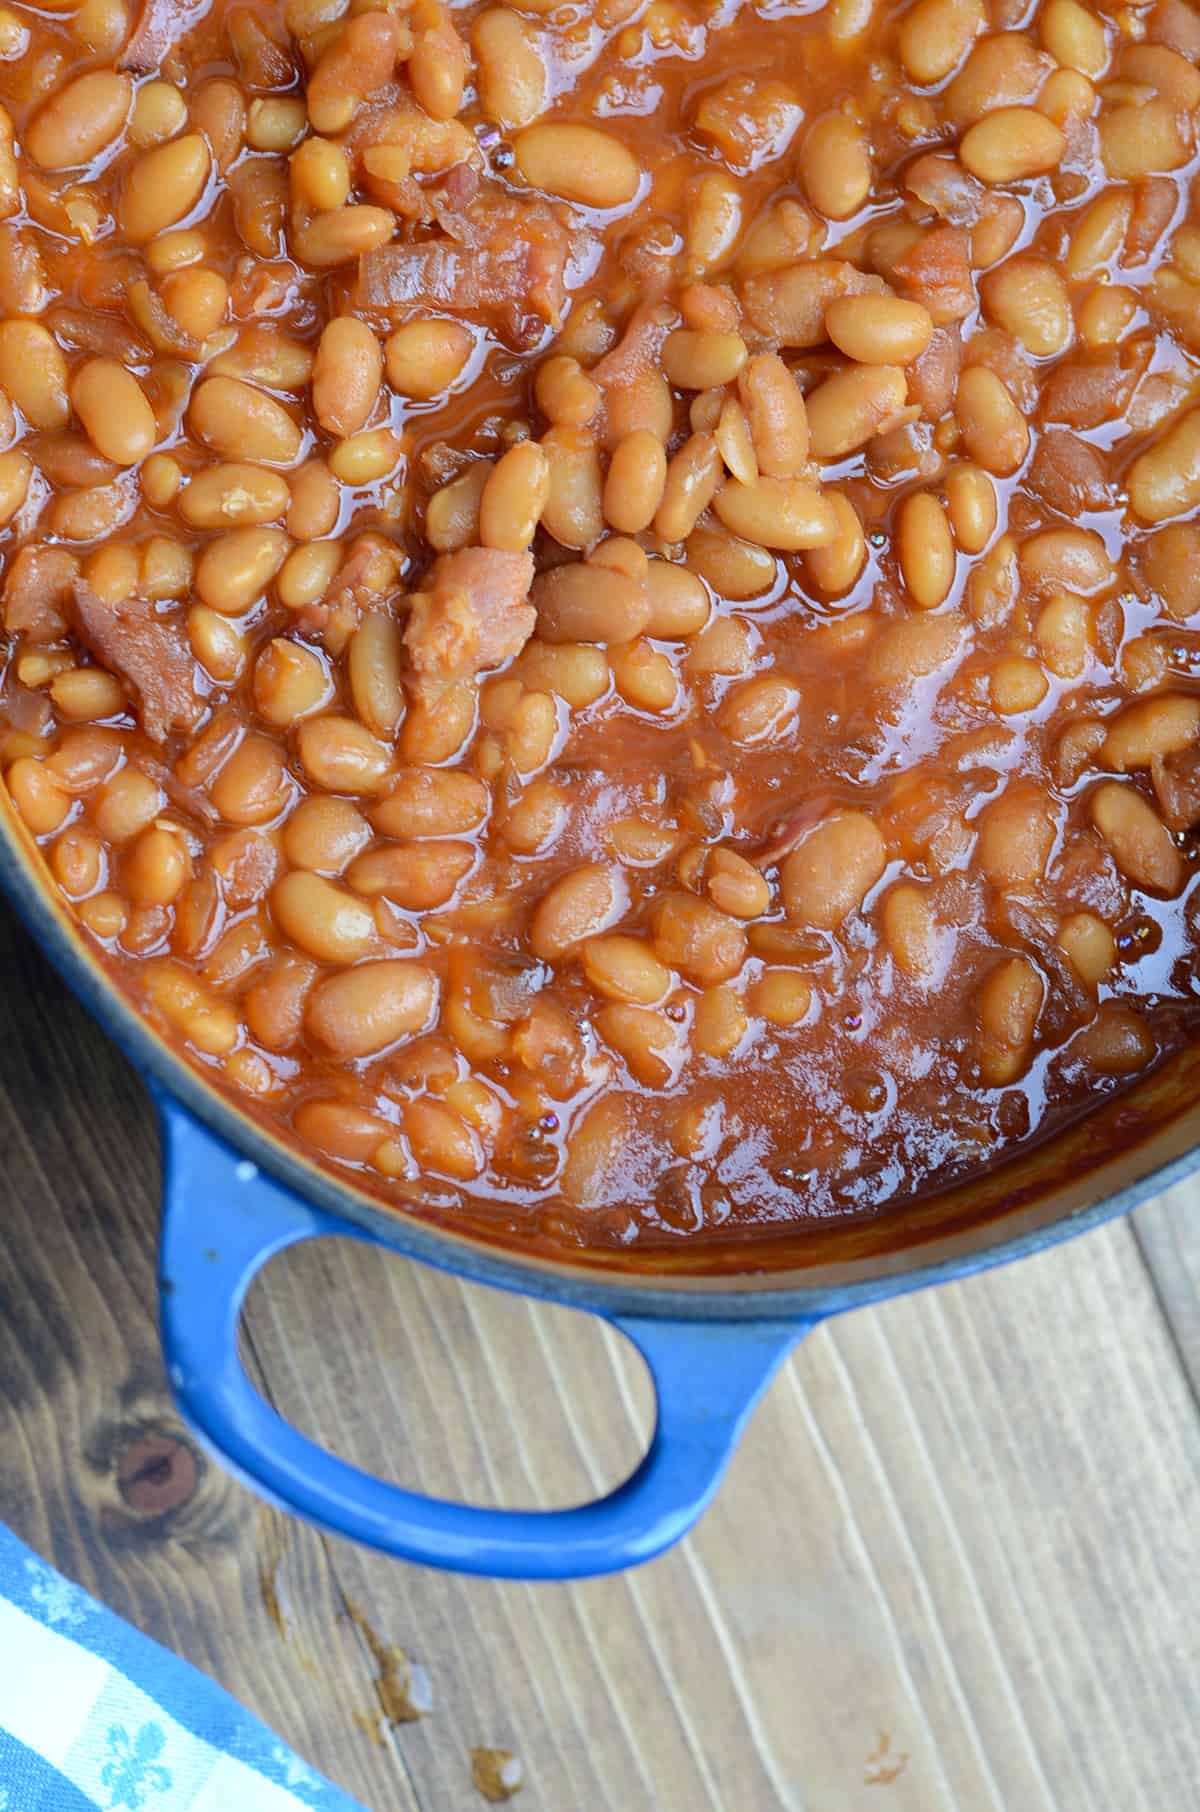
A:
(610, 639)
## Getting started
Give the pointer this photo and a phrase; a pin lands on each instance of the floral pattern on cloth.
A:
(133, 1774)
(95, 1717)
(61, 1601)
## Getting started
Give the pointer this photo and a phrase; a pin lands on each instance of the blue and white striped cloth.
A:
(94, 1715)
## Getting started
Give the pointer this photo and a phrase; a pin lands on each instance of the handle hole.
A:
(443, 1386)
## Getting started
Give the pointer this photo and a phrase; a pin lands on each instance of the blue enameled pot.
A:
(234, 1196)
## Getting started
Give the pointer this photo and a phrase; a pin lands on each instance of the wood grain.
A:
(81, 1377)
(1168, 1238)
(956, 1556)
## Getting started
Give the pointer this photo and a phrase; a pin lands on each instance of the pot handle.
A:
(223, 1219)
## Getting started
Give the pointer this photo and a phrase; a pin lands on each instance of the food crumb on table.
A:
(497, 1773)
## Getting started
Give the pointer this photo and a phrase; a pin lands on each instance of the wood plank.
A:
(940, 1532)
(1038, 1445)
(81, 1379)
(1168, 1236)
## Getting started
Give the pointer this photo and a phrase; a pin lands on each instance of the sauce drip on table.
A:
(601, 602)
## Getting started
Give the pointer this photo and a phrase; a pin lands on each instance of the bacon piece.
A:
(247, 862)
(1177, 784)
(450, 198)
(91, 330)
(1157, 395)
(26, 710)
(158, 324)
(1070, 1002)
(507, 264)
(636, 353)
(1002, 353)
(638, 349)
(262, 60)
(475, 614)
(936, 271)
(955, 196)
(391, 119)
(1174, 302)
(791, 828)
(1154, 203)
(952, 192)
(933, 377)
(1069, 475)
(547, 1043)
(1090, 389)
(150, 653)
(261, 289)
(442, 203)
(788, 305)
(160, 26)
(364, 578)
(749, 118)
(37, 592)
(22, 272)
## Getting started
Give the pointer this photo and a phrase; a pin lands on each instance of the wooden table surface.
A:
(955, 1565)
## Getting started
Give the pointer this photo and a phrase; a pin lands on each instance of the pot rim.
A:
(742, 1295)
